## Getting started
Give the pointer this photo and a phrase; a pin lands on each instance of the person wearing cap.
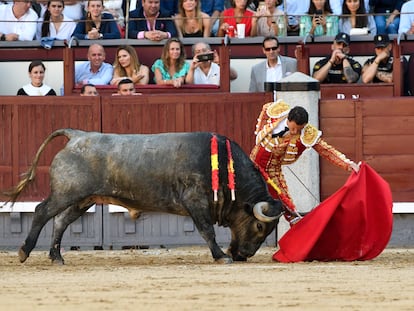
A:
(379, 68)
(407, 18)
(339, 67)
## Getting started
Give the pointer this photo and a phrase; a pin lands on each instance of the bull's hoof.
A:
(224, 260)
(58, 262)
(22, 255)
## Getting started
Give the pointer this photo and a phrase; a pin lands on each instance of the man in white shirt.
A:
(17, 21)
(407, 18)
(274, 68)
(204, 68)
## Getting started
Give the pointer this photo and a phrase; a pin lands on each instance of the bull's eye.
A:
(259, 227)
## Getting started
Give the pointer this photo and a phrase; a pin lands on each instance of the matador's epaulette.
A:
(277, 109)
(310, 135)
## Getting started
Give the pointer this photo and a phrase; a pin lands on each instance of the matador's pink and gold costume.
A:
(270, 153)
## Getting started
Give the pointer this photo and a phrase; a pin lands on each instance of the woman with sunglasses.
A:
(55, 24)
(97, 24)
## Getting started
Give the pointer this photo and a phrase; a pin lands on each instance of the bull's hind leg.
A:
(43, 213)
(61, 223)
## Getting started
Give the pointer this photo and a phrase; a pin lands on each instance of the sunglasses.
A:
(273, 48)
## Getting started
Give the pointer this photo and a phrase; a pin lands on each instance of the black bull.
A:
(168, 172)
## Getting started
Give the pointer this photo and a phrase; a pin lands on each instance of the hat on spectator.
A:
(342, 37)
(381, 40)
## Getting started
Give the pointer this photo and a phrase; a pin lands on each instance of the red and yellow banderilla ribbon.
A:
(214, 166)
(230, 170)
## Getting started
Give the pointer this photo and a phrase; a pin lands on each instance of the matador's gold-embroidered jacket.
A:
(270, 153)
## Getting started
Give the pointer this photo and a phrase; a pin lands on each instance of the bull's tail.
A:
(29, 176)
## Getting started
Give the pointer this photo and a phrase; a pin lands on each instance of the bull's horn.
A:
(258, 212)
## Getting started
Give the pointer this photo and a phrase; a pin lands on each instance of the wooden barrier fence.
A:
(25, 124)
(378, 131)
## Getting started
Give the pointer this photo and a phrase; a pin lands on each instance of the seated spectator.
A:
(126, 87)
(336, 6)
(88, 90)
(171, 68)
(354, 16)
(95, 70)
(237, 14)
(294, 10)
(339, 67)
(54, 23)
(18, 22)
(190, 21)
(39, 7)
(74, 9)
(319, 21)
(213, 8)
(380, 67)
(274, 68)
(203, 70)
(407, 18)
(36, 87)
(128, 66)
(271, 20)
(97, 24)
(168, 7)
(149, 23)
(386, 15)
(114, 7)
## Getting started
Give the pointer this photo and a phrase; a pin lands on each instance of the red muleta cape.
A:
(355, 223)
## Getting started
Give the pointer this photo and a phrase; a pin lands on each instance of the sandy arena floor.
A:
(187, 279)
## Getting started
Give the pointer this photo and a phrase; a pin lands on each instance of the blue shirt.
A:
(83, 74)
(209, 6)
(109, 28)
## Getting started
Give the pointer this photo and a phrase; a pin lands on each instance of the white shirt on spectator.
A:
(65, 31)
(407, 17)
(274, 73)
(25, 26)
(74, 11)
(212, 77)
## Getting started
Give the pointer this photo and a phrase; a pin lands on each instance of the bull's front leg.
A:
(206, 230)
